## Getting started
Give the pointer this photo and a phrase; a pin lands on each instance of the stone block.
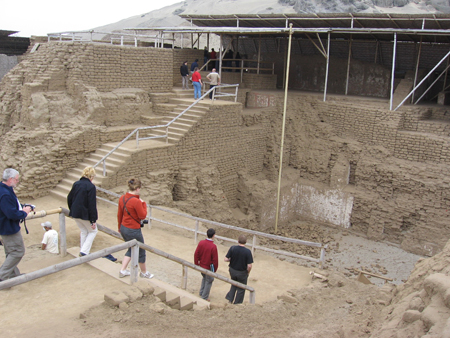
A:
(114, 298)
(133, 293)
(144, 287)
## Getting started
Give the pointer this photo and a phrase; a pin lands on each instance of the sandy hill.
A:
(168, 16)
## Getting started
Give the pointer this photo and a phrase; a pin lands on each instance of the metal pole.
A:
(283, 128)
(259, 54)
(220, 56)
(328, 66)
(417, 67)
(62, 234)
(431, 86)
(445, 78)
(394, 52)
(348, 64)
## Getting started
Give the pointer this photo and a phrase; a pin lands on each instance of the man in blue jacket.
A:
(11, 212)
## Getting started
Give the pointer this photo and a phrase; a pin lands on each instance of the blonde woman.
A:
(83, 208)
(130, 214)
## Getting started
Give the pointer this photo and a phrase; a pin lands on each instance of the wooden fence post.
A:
(134, 269)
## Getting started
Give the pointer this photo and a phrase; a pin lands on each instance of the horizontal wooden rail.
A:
(65, 265)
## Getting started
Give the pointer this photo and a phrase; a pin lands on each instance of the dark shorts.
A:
(129, 234)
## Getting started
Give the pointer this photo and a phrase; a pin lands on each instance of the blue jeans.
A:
(197, 90)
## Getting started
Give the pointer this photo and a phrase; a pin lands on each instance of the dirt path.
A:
(63, 296)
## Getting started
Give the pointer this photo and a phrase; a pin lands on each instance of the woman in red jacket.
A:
(132, 210)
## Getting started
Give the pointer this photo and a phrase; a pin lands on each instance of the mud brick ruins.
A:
(356, 154)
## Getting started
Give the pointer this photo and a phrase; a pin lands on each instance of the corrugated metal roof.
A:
(7, 33)
(409, 27)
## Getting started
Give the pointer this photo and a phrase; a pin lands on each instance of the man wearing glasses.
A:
(11, 213)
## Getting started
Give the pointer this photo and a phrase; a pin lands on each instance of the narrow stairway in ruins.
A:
(122, 155)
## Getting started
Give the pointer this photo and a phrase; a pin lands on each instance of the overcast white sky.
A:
(39, 17)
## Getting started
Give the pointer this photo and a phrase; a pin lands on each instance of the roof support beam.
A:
(426, 77)
(348, 64)
(417, 67)
(328, 66)
(429, 87)
(394, 52)
(321, 50)
(280, 166)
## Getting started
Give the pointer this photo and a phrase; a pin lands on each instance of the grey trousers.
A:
(14, 251)
(205, 288)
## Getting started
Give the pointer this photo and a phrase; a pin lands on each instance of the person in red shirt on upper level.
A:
(132, 211)
(206, 257)
(197, 83)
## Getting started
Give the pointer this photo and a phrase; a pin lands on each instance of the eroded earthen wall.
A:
(395, 164)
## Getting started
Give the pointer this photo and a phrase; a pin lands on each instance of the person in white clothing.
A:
(50, 240)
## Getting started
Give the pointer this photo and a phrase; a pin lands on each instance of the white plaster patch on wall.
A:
(330, 206)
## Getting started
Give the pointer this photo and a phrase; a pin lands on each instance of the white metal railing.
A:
(218, 90)
(254, 233)
(122, 38)
(165, 126)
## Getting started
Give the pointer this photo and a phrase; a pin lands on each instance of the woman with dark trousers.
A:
(132, 210)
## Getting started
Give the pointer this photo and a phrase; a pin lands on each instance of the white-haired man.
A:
(50, 240)
(11, 213)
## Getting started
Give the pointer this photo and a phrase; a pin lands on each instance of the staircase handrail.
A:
(136, 131)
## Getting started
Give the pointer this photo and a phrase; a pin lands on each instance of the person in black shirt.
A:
(184, 71)
(241, 260)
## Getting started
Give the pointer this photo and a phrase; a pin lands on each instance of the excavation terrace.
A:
(352, 109)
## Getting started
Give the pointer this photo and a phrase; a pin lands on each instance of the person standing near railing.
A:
(11, 213)
(197, 83)
(82, 202)
(131, 214)
(184, 71)
(214, 79)
(241, 262)
(206, 256)
(194, 65)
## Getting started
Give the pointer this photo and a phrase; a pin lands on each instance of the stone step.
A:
(171, 295)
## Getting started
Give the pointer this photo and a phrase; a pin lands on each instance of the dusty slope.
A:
(288, 304)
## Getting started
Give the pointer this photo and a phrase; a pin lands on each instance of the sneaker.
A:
(82, 254)
(110, 257)
(124, 273)
(146, 275)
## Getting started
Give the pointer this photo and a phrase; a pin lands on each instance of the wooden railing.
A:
(133, 244)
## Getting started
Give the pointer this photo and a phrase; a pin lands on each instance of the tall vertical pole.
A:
(283, 127)
(328, 66)
(417, 68)
(348, 64)
(259, 54)
(394, 52)
(220, 56)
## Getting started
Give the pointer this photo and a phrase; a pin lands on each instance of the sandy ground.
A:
(52, 305)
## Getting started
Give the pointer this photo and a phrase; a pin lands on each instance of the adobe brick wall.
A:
(181, 55)
(398, 177)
